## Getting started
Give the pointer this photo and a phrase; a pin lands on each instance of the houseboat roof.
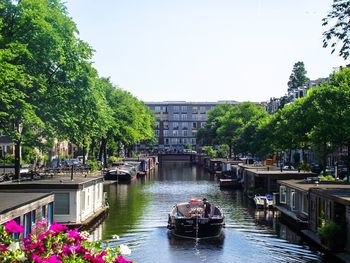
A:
(340, 195)
(57, 183)
(306, 184)
(11, 200)
(263, 172)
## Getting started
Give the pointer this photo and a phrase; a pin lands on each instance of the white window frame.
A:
(283, 194)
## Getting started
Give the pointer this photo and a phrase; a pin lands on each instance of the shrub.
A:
(326, 178)
(94, 165)
(55, 245)
(113, 159)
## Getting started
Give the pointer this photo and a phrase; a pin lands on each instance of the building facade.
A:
(178, 122)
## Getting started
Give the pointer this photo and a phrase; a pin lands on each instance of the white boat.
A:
(263, 201)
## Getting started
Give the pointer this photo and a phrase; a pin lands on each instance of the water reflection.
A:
(139, 212)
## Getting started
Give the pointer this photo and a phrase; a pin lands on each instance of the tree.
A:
(338, 32)
(298, 77)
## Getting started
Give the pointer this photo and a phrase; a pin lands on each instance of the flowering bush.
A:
(56, 245)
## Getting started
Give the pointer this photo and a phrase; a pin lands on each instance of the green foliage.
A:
(113, 159)
(94, 165)
(329, 178)
(329, 231)
(298, 77)
(209, 150)
(188, 146)
(224, 151)
(304, 166)
(337, 33)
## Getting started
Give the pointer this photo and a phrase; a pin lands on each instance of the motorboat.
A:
(263, 201)
(189, 220)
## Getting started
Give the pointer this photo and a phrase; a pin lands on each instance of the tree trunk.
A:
(230, 151)
(105, 154)
(84, 152)
(17, 159)
(102, 146)
(348, 163)
(92, 148)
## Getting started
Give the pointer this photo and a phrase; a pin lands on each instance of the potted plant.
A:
(332, 236)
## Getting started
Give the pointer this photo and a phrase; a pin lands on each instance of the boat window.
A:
(61, 203)
(292, 200)
(283, 194)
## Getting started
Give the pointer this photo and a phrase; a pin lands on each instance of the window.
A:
(157, 109)
(27, 224)
(183, 117)
(184, 133)
(283, 194)
(202, 108)
(18, 221)
(193, 141)
(194, 125)
(33, 217)
(176, 108)
(62, 203)
(202, 124)
(305, 204)
(43, 212)
(176, 117)
(82, 200)
(175, 133)
(166, 132)
(50, 214)
(167, 141)
(184, 125)
(175, 125)
(292, 200)
(184, 108)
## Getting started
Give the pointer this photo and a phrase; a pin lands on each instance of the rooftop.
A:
(305, 185)
(56, 182)
(10, 201)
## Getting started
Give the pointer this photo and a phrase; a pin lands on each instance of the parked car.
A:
(316, 168)
(288, 167)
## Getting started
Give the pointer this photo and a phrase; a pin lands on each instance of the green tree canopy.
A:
(337, 34)
(298, 77)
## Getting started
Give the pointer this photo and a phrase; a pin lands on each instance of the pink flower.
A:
(75, 235)
(52, 259)
(13, 227)
(2, 247)
(121, 259)
(57, 228)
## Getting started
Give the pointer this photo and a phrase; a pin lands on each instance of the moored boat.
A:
(263, 201)
(120, 175)
(193, 220)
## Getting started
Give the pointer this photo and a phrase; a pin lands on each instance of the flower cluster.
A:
(58, 244)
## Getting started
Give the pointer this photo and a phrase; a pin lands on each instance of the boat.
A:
(189, 220)
(263, 201)
(119, 174)
(229, 183)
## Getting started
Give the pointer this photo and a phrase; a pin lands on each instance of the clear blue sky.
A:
(204, 50)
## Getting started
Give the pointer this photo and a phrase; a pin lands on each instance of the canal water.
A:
(139, 212)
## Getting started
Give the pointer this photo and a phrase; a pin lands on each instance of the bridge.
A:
(189, 157)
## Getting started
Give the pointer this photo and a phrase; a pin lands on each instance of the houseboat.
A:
(26, 209)
(329, 221)
(293, 199)
(78, 202)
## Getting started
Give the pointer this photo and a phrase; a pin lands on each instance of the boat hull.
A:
(196, 227)
(120, 177)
